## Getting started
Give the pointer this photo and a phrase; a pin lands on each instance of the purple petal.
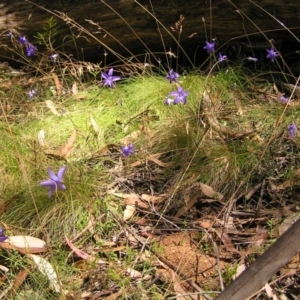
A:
(174, 94)
(3, 238)
(127, 150)
(104, 76)
(292, 130)
(52, 175)
(176, 101)
(61, 172)
(110, 72)
(115, 78)
(60, 186)
(48, 183)
(51, 191)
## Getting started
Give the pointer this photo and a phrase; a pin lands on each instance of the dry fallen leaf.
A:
(292, 267)
(287, 223)
(19, 279)
(65, 150)
(114, 296)
(182, 210)
(205, 224)
(82, 254)
(74, 88)
(128, 212)
(153, 158)
(133, 273)
(41, 137)
(77, 251)
(259, 238)
(122, 195)
(297, 173)
(226, 240)
(137, 202)
(240, 269)
(24, 244)
(46, 269)
(269, 290)
(95, 126)
(58, 85)
(51, 106)
(130, 138)
(239, 106)
(209, 192)
(154, 199)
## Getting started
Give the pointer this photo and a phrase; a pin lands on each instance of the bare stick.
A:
(255, 277)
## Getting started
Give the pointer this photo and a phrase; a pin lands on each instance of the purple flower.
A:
(292, 130)
(9, 34)
(180, 95)
(53, 57)
(284, 99)
(2, 236)
(22, 40)
(127, 150)
(55, 183)
(222, 57)
(253, 59)
(210, 47)
(172, 76)
(31, 94)
(30, 50)
(272, 54)
(109, 79)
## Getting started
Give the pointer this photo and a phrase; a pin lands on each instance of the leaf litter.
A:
(195, 197)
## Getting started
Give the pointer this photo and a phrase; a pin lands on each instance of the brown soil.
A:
(184, 253)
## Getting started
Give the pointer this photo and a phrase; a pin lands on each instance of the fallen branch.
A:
(255, 277)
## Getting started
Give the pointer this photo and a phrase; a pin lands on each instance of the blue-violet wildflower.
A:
(172, 76)
(222, 57)
(31, 94)
(292, 130)
(109, 79)
(284, 99)
(127, 150)
(180, 95)
(22, 40)
(210, 47)
(272, 54)
(2, 236)
(55, 183)
(30, 50)
(53, 57)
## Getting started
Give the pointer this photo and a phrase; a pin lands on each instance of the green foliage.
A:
(229, 272)
(48, 33)
(188, 148)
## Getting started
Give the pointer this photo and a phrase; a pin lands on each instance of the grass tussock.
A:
(228, 149)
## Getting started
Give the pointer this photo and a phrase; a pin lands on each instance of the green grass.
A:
(181, 133)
